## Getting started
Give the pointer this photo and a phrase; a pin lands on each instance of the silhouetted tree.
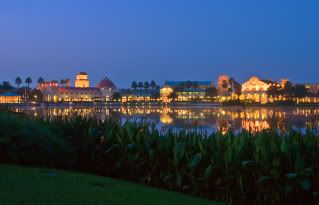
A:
(67, 82)
(211, 92)
(28, 81)
(274, 91)
(62, 82)
(153, 84)
(40, 80)
(173, 95)
(116, 96)
(140, 85)
(18, 82)
(6, 85)
(134, 85)
(300, 91)
(288, 89)
(146, 85)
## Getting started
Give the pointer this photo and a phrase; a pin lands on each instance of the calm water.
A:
(208, 119)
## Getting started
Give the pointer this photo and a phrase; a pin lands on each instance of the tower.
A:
(82, 80)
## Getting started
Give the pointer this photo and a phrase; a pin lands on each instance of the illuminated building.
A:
(107, 88)
(223, 84)
(313, 88)
(165, 93)
(185, 90)
(45, 85)
(53, 92)
(255, 89)
(8, 98)
(139, 95)
(82, 80)
(72, 94)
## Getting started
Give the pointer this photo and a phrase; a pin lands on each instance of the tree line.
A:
(146, 85)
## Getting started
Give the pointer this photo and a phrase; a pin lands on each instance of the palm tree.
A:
(67, 82)
(28, 81)
(40, 80)
(134, 85)
(153, 84)
(62, 82)
(18, 81)
(288, 89)
(146, 85)
(140, 85)
(189, 84)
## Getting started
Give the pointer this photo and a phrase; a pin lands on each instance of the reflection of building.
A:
(10, 98)
(82, 80)
(52, 92)
(255, 89)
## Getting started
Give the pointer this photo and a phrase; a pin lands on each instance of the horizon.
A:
(168, 40)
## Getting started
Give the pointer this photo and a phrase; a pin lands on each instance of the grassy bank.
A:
(20, 185)
(264, 168)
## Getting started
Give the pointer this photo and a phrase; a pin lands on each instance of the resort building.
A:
(185, 90)
(48, 84)
(107, 88)
(9, 98)
(312, 87)
(256, 89)
(223, 85)
(82, 80)
(81, 92)
(137, 95)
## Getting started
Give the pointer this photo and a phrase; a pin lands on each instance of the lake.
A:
(202, 118)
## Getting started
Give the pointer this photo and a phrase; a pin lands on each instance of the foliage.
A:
(116, 96)
(5, 86)
(28, 81)
(40, 80)
(211, 92)
(265, 168)
(134, 85)
(18, 81)
(31, 142)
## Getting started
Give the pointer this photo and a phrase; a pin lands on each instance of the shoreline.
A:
(154, 105)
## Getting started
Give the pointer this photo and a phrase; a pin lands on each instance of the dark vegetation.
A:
(42, 186)
(262, 168)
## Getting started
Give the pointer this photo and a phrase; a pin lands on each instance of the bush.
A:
(31, 142)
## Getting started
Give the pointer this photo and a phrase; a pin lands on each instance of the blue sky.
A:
(159, 39)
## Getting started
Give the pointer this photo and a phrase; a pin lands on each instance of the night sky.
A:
(159, 39)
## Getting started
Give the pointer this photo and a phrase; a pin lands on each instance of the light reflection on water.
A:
(207, 119)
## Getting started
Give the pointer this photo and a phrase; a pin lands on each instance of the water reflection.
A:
(210, 119)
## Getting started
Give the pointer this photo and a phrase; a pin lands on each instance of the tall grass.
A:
(262, 168)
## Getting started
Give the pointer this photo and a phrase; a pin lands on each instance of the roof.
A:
(178, 83)
(65, 89)
(81, 73)
(269, 81)
(106, 83)
(9, 94)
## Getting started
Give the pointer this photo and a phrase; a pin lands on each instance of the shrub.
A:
(31, 142)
